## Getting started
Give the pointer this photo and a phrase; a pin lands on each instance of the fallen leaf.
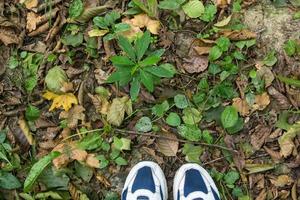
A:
(196, 64)
(32, 21)
(202, 50)
(257, 168)
(101, 104)
(31, 3)
(117, 109)
(103, 180)
(92, 161)
(25, 130)
(8, 36)
(166, 146)
(286, 140)
(64, 101)
(62, 160)
(152, 153)
(223, 3)
(78, 154)
(266, 74)
(73, 116)
(241, 106)
(97, 32)
(133, 32)
(101, 76)
(282, 181)
(223, 22)
(262, 195)
(237, 35)
(259, 136)
(76, 194)
(276, 156)
(281, 100)
(261, 101)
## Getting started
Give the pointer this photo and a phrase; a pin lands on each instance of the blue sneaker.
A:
(145, 181)
(192, 182)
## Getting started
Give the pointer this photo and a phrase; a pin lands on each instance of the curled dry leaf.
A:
(101, 104)
(166, 146)
(103, 180)
(241, 106)
(25, 130)
(237, 35)
(281, 100)
(64, 101)
(282, 181)
(223, 22)
(101, 76)
(73, 116)
(261, 101)
(196, 64)
(259, 136)
(32, 21)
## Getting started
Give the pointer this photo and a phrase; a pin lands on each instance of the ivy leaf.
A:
(76, 8)
(144, 125)
(229, 117)
(193, 8)
(181, 101)
(37, 169)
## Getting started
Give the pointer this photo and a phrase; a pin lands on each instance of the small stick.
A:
(174, 139)
(39, 30)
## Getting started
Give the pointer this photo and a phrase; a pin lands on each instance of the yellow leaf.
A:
(64, 101)
(140, 20)
(97, 32)
(25, 129)
(223, 22)
(282, 181)
(153, 26)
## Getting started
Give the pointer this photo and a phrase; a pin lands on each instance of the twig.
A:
(150, 134)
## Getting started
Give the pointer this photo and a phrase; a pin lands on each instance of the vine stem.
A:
(150, 134)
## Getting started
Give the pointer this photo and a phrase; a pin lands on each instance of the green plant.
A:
(108, 25)
(150, 7)
(291, 48)
(133, 68)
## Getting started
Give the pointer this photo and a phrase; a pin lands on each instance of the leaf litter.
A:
(98, 87)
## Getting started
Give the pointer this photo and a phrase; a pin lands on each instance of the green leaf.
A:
(32, 113)
(121, 143)
(173, 119)
(192, 153)
(73, 40)
(90, 142)
(289, 81)
(121, 27)
(13, 62)
(142, 45)
(160, 71)
(37, 169)
(215, 53)
(122, 76)
(53, 178)
(76, 8)
(121, 61)
(231, 177)
(290, 47)
(239, 125)
(296, 15)
(270, 59)
(83, 171)
(111, 17)
(147, 80)
(100, 22)
(135, 88)
(229, 117)
(30, 83)
(126, 47)
(190, 132)
(8, 181)
(193, 8)
(150, 60)
(191, 116)
(48, 195)
(103, 161)
(223, 43)
(121, 161)
(207, 137)
(160, 109)
(144, 124)
(209, 13)
(55, 79)
(181, 101)
(170, 4)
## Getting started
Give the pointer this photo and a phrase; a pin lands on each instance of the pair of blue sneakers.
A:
(146, 181)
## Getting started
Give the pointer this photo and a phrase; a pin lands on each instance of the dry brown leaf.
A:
(202, 50)
(101, 104)
(196, 64)
(262, 195)
(276, 156)
(166, 146)
(152, 153)
(103, 180)
(134, 30)
(266, 74)
(32, 21)
(92, 161)
(101, 76)
(78, 154)
(222, 3)
(73, 116)
(242, 106)
(237, 35)
(8, 36)
(25, 130)
(259, 136)
(261, 101)
(31, 3)
(281, 100)
(282, 181)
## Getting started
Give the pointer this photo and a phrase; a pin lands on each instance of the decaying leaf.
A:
(281, 100)
(73, 116)
(32, 21)
(138, 22)
(259, 136)
(237, 35)
(286, 140)
(282, 181)
(166, 146)
(101, 76)
(202, 50)
(103, 180)
(64, 101)
(196, 64)
(261, 101)
(223, 22)
(222, 3)
(97, 32)
(8, 36)
(31, 3)
(76, 194)
(117, 109)
(257, 168)
(92, 161)
(241, 106)
(25, 129)
(266, 74)
(276, 156)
